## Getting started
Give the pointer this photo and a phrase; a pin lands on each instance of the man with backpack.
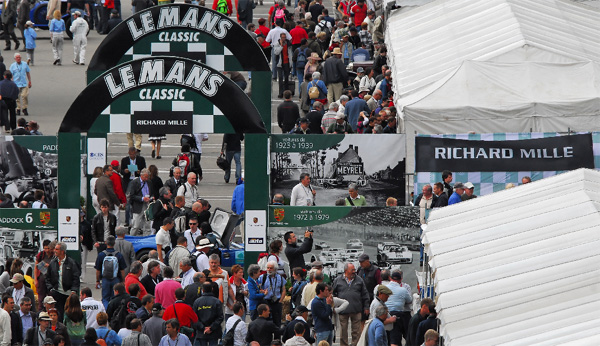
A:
(300, 57)
(110, 269)
(110, 337)
(275, 286)
(192, 234)
(223, 6)
(136, 338)
(189, 190)
(236, 327)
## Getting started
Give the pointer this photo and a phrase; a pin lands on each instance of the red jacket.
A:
(133, 279)
(117, 187)
(186, 314)
(229, 6)
(298, 33)
(265, 31)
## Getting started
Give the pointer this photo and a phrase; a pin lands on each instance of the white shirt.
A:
(91, 307)
(189, 192)
(38, 205)
(239, 335)
(188, 278)
(18, 294)
(275, 34)
(191, 237)
(301, 196)
(163, 238)
(202, 261)
(182, 340)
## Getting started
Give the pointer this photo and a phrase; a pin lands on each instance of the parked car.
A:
(39, 10)
(223, 224)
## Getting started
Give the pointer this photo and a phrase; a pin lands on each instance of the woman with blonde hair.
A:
(57, 31)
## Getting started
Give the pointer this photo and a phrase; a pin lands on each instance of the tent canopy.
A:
(431, 41)
(520, 266)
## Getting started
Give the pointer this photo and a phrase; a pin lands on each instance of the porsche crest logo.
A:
(68, 219)
(255, 220)
(44, 217)
(279, 213)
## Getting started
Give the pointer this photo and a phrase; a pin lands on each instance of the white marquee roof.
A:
(427, 43)
(520, 266)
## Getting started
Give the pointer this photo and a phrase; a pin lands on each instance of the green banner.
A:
(286, 216)
(29, 219)
(45, 144)
(303, 144)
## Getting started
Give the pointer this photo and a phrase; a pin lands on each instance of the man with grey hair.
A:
(329, 117)
(278, 199)
(62, 278)
(309, 293)
(353, 289)
(139, 195)
(110, 270)
(189, 191)
(175, 182)
(124, 247)
(152, 256)
(397, 303)
(374, 101)
(342, 102)
(274, 284)
(354, 199)
(187, 272)
(376, 332)
(194, 290)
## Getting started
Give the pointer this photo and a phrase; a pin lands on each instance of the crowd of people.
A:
(189, 298)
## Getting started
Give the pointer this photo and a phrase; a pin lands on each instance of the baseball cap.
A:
(339, 116)
(17, 278)
(305, 120)
(459, 185)
(114, 163)
(301, 309)
(396, 276)
(157, 307)
(360, 70)
(317, 264)
(49, 300)
(363, 257)
(469, 185)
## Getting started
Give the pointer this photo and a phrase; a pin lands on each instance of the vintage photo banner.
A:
(542, 154)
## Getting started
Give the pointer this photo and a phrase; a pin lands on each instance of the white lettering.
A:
(440, 153)
(191, 18)
(222, 28)
(113, 88)
(527, 153)
(214, 81)
(469, 153)
(494, 153)
(176, 73)
(127, 78)
(208, 22)
(481, 152)
(147, 22)
(568, 151)
(152, 71)
(456, 154)
(135, 32)
(168, 16)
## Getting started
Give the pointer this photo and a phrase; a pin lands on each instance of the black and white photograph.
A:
(23, 244)
(375, 164)
(389, 235)
(24, 171)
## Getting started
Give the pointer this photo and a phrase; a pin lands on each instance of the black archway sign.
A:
(167, 71)
(184, 17)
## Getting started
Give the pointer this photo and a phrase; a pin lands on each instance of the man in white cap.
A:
(41, 332)
(19, 290)
(79, 28)
(49, 303)
(202, 248)
(469, 189)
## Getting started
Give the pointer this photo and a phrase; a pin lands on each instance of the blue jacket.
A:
(237, 201)
(57, 25)
(353, 109)
(254, 295)
(454, 198)
(384, 88)
(321, 312)
(376, 333)
(30, 36)
(112, 338)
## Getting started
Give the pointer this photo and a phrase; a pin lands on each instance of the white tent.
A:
(520, 266)
(495, 66)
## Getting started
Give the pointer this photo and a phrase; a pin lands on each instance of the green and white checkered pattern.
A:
(217, 55)
(488, 182)
(207, 118)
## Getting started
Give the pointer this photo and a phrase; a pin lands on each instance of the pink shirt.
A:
(165, 292)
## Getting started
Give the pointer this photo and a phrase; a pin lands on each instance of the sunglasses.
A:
(193, 223)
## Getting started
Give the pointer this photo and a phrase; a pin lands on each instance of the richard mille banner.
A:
(162, 122)
(544, 154)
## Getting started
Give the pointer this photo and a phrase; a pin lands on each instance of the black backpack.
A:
(126, 307)
(230, 335)
(187, 139)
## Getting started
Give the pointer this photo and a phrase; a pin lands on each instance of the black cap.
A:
(157, 307)
(301, 309)
(304, 120)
